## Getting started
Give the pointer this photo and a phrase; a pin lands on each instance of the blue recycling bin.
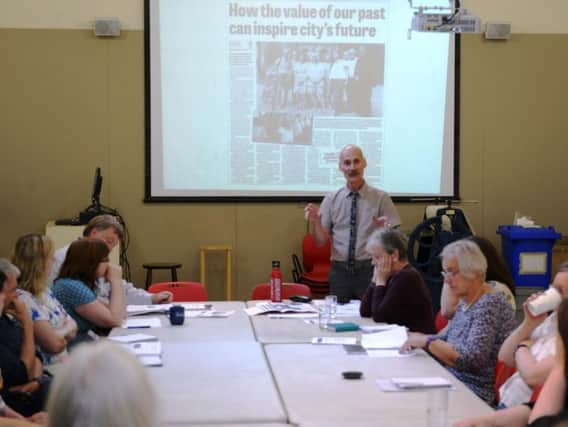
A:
(528, 251)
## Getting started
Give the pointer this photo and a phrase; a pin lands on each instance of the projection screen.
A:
(253, 100)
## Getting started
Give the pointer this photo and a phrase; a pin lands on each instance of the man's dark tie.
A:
(352, 231)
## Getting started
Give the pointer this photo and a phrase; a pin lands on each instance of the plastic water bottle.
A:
(276, 282)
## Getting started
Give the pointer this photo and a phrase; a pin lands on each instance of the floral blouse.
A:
(46, 307)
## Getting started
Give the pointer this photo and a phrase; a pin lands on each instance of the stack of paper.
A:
(392, 338)
(146, 347)
(151, 360)
(280, 307)
(149, 353)
(335, 340)
(379, 327)
(351, 309)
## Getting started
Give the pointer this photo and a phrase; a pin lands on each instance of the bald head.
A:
(350, 149)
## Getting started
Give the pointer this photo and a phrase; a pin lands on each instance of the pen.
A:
(138, 327)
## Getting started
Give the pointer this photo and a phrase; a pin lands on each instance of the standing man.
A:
(109, 230)
(348, 216)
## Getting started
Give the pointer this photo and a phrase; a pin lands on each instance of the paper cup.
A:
(546, 302)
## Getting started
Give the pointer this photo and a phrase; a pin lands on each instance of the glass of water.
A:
(324, 316)
(331, 303)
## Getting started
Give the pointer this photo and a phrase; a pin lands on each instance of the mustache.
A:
(353, 173)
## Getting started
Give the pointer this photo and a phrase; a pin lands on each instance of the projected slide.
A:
(256, 99)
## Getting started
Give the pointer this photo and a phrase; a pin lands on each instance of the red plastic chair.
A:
(262, 290)
(502, 373)
(536, 393)
(182, 291)
(316, 262)
(313, 255)
(440, 321)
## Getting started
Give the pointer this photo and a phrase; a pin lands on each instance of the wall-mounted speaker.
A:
(498, 30)
(107, 27)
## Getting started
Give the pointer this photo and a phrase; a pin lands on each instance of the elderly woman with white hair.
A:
(468, 347)
(102, 384)
(397, 293)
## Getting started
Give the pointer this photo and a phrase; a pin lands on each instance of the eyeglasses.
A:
(449, 274)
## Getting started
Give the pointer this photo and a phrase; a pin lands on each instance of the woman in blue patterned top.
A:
(53, 327)
(85, 262)
(468, 347)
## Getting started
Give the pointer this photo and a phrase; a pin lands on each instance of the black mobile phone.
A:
(300, 298)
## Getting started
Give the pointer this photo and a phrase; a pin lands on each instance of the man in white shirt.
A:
(108, 229)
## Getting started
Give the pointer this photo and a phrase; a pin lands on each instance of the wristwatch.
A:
(521, 345)
(429, 341)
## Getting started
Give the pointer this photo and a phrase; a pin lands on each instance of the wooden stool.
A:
(150, 266)
(228, 249)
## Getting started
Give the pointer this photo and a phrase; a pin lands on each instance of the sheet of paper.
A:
(387, 385)
(196, 306)
(151, 360)
(295, 316)
(379, 327)
(150, 348)
(133, 338)
(388, 353)
(142, 323)
(350, 309)
(391, 338)
(420, 382)
(335, 340)
(209, 313)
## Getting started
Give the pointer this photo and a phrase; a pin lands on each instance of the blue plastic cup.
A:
(177, 314)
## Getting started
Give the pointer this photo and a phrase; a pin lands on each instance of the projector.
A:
(458, 22)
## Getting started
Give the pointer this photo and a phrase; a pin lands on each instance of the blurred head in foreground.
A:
(102, 384)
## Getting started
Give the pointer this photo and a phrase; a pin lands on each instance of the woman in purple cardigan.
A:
(397, 293)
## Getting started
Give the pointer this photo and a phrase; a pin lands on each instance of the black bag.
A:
(428, 239)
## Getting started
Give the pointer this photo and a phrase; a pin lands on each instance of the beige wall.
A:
(71, 102)
(526, 16)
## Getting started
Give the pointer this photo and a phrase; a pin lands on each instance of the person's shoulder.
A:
(27, 298)
(341, 191)
(67, 283)
(375, 191)
(409, 271)
(499, 287)
(495, 302)
(62, 251)
(493, 299)
(337, 194)
(23, 294)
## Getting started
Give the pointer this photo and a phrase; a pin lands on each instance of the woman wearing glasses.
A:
(85, 262)
(468, 347)
(497, 275)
